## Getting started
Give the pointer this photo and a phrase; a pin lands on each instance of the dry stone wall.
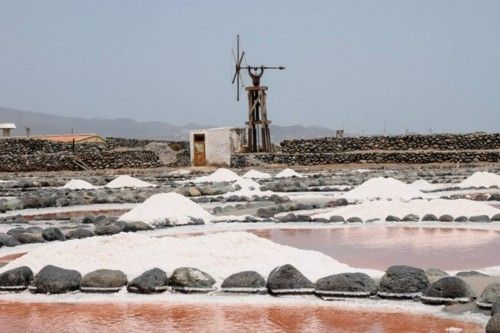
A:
(21, 154)
(418, 149)
(472, 141)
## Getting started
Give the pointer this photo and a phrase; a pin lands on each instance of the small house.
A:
(7, 129)
(214, 146)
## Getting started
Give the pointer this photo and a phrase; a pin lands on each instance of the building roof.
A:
(68, 138)
(7, 126)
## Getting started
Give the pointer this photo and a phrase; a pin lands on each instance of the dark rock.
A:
(188, 279)
(88, 220)
(52, 234)
(287, 279)
(493, 325)
(336, 219)
(16, 279)
(107, 228)
(248, 281)
(265, 212)
(479, 218)
(303, 218)
(101, 219)
(410, 218)
(320, 220)
(251, 219)
(152, 281)
(17, 230)
(136, 226)
(56, 280)
(446, 291)
(392, 218)
(346, 284)
(429, 217)
(446, 218)
(462, 219)
(495, 218)
(35, 230)
(29, 238)
(354, 219)
(103, 280)
(8, 240)
(489, 295)
(79, 233)
(403, 281)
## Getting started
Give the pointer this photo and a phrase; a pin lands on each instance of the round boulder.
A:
(188, 279)
(448, 290)
(152, 281)
(336, 219)
(244, 282)
(429, 218)
(103, 280)
(346, 284)
(53, 234)
(470, 273)
(496, 217)
(136, 226)
(107, 228)
(354, 219)
(435, 272)
(287, 279)
(410, 218)
(79, 233)
(29, 238)
(462, 218)
(479, 218)
(8, 240)
(55, 280)
(403, 282)
(392, 218)
(16, 279)
(446, 218)
(489, 295)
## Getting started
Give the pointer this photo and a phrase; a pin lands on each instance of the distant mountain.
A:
(41, 123)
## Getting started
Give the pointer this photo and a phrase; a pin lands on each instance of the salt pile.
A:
(481, 178)
(173, 207)
(423, 185)
(248, 188)
(218, 254)
(79, 184)
(438, 207)
(254, 174)
(127, 181)
(219, 176)
(384, 188)
(287, 173)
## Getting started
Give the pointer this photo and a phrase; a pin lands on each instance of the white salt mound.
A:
(423, 185)
(248, 188)
(128, 181)
(381, 187)
(287, 173)
(481, 178)
(174, 207)
(218, 254)
(438, 207)
(219, 176)
(79, 184)
(254, 174)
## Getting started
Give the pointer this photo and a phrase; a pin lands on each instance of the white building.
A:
(214, 146)
(7, 128)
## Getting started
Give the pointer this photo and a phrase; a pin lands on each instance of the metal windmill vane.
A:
(259, 137)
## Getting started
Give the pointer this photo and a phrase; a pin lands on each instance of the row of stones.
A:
(398, 282)
(317, 158)
(473, 141)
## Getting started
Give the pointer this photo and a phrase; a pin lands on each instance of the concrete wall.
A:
(220, 144)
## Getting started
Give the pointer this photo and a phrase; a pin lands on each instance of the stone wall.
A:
(472, 141)
(21, 154)
(422, 157)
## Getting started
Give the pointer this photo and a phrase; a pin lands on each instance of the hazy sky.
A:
(408, 64)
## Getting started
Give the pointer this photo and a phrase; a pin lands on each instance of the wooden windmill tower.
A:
(259, 136)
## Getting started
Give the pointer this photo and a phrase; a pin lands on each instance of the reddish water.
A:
(133, 318)
(380, 246)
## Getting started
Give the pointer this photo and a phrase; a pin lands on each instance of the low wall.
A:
(472, 141)
(22, 154)
(244, 160)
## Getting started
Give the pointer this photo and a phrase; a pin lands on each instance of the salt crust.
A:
(287, 173)
(79, 184)
(380, 187)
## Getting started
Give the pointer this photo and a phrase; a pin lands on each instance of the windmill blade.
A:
(241, 58)
(238, 88)
(236, 74)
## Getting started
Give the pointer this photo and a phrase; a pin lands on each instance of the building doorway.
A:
(199, 150)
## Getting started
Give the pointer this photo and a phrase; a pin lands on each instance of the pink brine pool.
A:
(379, 247)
